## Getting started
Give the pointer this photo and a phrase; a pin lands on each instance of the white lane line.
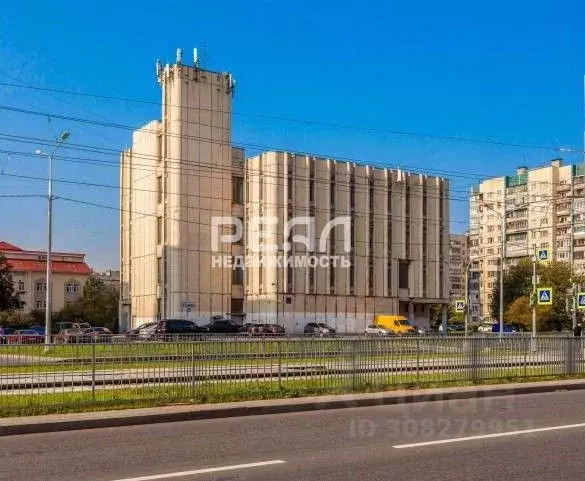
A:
(204, 471)
(488, 436)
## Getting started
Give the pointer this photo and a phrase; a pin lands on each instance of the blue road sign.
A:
(459, 306)
(581, 300)
(542, 255)
(545, 296)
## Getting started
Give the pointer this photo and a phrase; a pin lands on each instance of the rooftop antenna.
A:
(195, 58)
(179, 56)
(158, 69)
(203, 56)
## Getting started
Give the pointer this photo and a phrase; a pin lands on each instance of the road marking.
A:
(204, 471)
(488, 436)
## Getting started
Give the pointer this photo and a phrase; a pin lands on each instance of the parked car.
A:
(97, 334)
(221, 326)
(70, 336)
(143, 332)
(273, 330)
(485, 327)
(373, 329)
(70, 325)
(452, 328)
(175, 328)
(422, 330)
(319, 329)
(24, 336)
(252, 328)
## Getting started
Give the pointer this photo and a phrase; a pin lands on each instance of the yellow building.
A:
(29, 268)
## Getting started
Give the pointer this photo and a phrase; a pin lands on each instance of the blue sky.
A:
(505, 71)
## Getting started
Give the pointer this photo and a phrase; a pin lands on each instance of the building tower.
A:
(179, 173)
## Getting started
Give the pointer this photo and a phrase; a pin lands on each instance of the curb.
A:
(133, 417)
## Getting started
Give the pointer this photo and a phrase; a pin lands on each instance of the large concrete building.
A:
(536, 205)
(28, 269)
(396, 251)
(181, 175)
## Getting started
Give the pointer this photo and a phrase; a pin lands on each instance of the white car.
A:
(485, 327)
(372, 329)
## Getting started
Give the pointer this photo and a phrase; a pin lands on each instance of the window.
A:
(72, 288)
(290, 188)
(311, 279)
(332, 195)
(41, 286)
(159, 271)
(289, 279)
(240, 241)
(20, 286)
(311, 190)
(159, 189)
(41, 304)
(159, 230)
(238, 190)
(332, 279)
(237, 274)
(403, 271)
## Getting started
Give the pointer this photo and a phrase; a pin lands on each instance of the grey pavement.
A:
(331, 445)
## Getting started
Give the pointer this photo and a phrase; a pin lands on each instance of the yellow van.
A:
(396, 324)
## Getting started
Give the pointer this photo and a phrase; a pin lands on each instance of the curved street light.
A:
(59, 141)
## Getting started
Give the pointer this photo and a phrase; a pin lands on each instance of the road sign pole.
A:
(533, 347)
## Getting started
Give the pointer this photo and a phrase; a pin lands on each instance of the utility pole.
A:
(466, 315)
(62, 138)
(572, 237)
(534, 301)
(502, 256)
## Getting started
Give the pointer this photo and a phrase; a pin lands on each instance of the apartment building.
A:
(29, 268)
(458, 259)
(539, 208)
(184, 186)
(110, 278)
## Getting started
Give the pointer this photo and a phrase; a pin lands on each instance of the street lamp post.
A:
(62, 138)
(502, 255)
(502, 216)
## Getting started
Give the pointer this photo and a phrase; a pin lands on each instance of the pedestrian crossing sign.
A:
(459, 306)
(542, 255)
(581, 300)
(545, 296)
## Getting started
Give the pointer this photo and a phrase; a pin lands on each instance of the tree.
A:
(15, 319)
(517, 283)
(98, 306)
(520, 313)
(518, 293)
(9, 299)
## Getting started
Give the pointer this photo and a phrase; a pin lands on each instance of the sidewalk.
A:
(129, 417)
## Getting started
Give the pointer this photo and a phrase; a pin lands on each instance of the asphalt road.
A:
(380, 443)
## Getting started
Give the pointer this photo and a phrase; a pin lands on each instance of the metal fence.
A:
(36, 378)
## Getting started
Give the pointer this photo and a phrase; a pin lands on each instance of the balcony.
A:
(564, 187)
(516, 226)
(518, 249)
